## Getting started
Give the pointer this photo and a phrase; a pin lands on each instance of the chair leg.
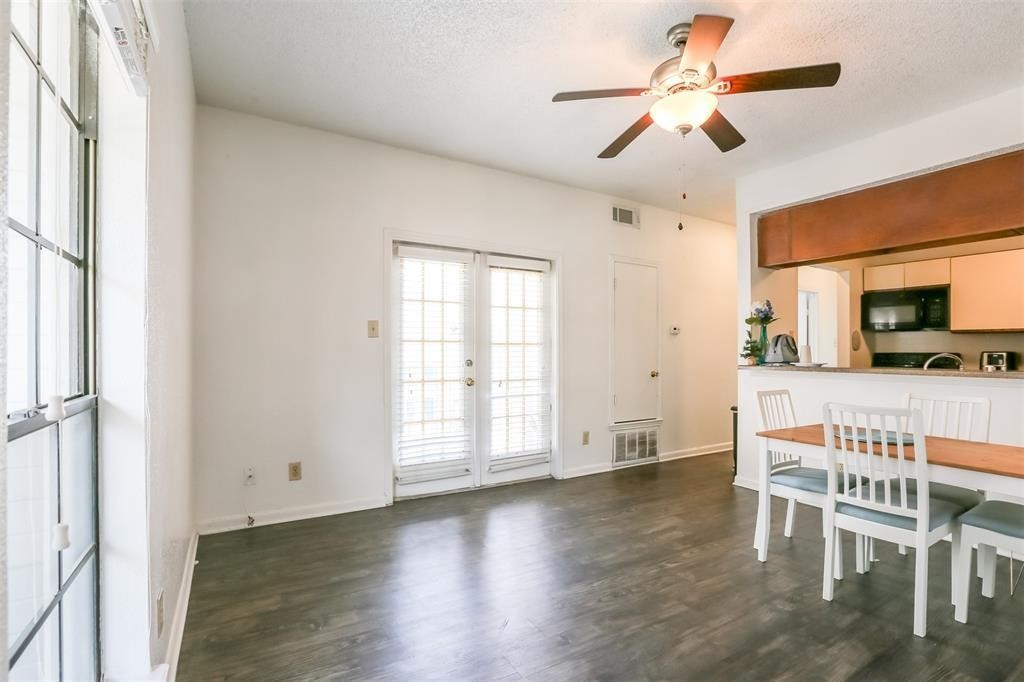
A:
(766, 524)
(963, 578)
(871, 552)
(858, 545)
(790, 513)
(903, 550)
(830, 563)
(921, 590)
(988, 578)
(837, 571)
(954, 563)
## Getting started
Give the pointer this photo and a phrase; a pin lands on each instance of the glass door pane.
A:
(434, 414)
(77, 487)
(41, 660)
(78, 625)
(21, 327)
(520, 406)
(21, 153)
(32, 579)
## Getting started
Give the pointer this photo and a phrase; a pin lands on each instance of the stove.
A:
(913, 360)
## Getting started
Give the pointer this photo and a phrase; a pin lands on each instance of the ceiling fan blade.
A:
(596, 94)
(721, 132)
(817, 76)
(625, 138)
(706, 35)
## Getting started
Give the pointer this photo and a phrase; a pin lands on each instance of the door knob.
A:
(655, 373)
(470, 381)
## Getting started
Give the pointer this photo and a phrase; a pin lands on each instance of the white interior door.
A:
(459, 420)
(635, 343)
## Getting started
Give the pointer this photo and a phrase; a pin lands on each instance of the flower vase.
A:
(764, 345)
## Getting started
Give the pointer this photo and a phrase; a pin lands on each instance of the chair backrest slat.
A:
(777, 412)
(960, 417)
(869, 443)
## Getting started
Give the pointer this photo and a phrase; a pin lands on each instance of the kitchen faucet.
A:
(959, 361)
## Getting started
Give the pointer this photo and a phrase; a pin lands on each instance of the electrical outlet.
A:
(372, 329)
(586, 437)
(249, 476)
(160, 614)
(294, 471)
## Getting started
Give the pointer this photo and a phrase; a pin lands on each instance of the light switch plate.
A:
(372, 329)
(586, 437)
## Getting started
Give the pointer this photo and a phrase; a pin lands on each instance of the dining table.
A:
(993, 468)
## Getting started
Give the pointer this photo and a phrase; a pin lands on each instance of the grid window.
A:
(520, 407)
(52, 591)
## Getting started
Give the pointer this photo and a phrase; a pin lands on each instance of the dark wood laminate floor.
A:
(644, 573)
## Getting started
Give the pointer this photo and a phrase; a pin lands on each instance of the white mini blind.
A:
(520, 404)
(432, 403)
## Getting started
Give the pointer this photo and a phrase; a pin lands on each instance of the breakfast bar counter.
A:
(910, 371)
(811, 388)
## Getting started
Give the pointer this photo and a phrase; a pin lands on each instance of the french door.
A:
(471, 369)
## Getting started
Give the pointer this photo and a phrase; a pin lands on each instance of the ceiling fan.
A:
(688, 87)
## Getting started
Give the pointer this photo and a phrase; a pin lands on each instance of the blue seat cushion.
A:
(806, 478)
(962, 496)
(939, 511)
(1001, 517)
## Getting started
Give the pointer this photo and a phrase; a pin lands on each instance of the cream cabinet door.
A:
(986, 292)
(926, 273)
(883, 277)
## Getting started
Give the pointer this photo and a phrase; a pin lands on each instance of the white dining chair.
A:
(959, 417)
(871, 445)
(789, 479)
(990, 525)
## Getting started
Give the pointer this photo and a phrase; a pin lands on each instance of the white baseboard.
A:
(181, 609)
(741, 482)
(714, 448)
(587, 470)
(271, 516)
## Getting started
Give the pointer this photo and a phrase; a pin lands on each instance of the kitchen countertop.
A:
(969, 373)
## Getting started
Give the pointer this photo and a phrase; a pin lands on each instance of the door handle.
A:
(655, 374)
(470, 381)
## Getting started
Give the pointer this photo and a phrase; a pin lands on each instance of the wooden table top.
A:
(991, 458)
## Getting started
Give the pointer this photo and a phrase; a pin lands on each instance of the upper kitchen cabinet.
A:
(882, 277)
(926, 273)
(986, 292)
(974, 201)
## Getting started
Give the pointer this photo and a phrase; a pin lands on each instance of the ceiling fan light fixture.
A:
(684, 110)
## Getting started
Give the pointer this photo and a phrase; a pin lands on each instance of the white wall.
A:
(144, 367)
(289, 266)
(121, 374)
(977, 128)
(169, 315)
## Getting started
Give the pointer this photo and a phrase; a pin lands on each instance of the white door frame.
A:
(612, 260)
(386, 333)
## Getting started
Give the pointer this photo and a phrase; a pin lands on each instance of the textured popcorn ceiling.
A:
(473, 80)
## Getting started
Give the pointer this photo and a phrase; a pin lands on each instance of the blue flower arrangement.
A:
(761, 313)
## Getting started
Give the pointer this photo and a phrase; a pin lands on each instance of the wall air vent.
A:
(626, 216)
(636, 446)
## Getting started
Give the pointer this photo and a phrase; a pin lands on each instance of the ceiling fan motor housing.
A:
(667, 78)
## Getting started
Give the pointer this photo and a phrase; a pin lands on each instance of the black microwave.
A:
(905, 310)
